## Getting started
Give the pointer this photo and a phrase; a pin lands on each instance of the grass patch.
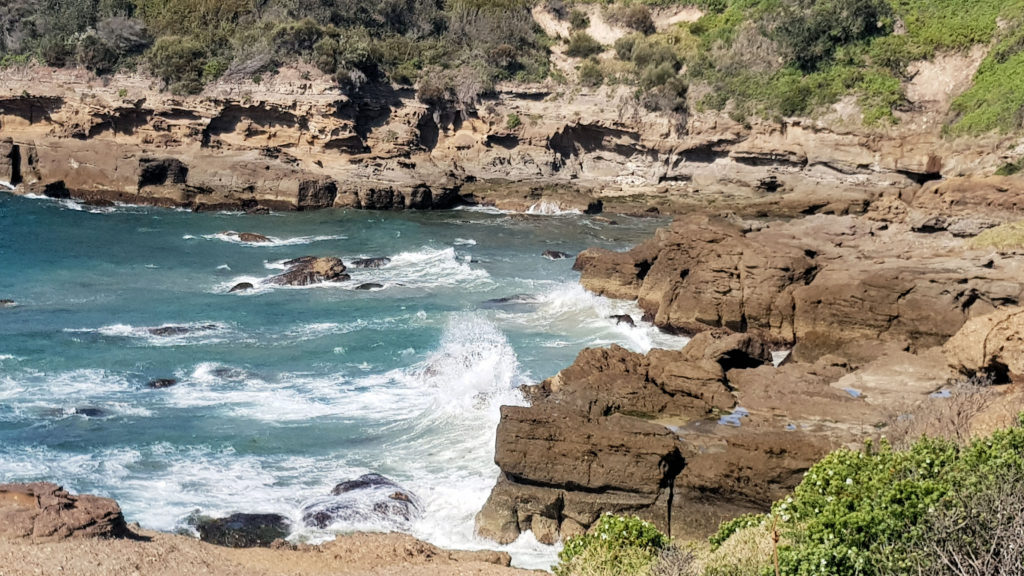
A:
(1006, 237)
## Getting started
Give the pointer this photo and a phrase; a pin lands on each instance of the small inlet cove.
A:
(130, 368)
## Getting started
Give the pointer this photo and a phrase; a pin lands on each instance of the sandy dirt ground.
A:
(159, 554)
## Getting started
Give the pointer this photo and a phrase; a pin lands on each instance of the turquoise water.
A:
(284, 392)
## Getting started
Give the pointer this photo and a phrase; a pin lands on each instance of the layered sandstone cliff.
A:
(296, 141)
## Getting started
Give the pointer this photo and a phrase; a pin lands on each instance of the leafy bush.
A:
(583, 45)
(813, 30)
(179, 63)
(95, 55)
(513, 121)
(591, 73)
(579, 20)
(614, 546)
(1010, 168)
(634, 16)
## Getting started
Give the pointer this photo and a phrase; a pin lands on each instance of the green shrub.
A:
(1010, 168)
(95, 55)
(578, 20)
(1004, 237)
(583, 45)
(813, 30)
(513, 121)
(179, 62)
(730, 527)
(591, 73)
(634, 16)
(614, 546)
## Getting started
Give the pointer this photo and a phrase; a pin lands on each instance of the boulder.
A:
(370, 286)
(160, 383)
(378, 262)
(172, 330)
(241, 287)
(555, 255)
(249, 237)
(243, 530)
(44, 512)
(311, 270)
(992, 344)
(369, 499)
(7, 303)
(623, 319)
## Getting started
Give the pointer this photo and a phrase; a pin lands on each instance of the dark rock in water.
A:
(90, 412)
(173, 330)
(241, 287)
(257, 210)
(555, 255)
(162, 383)
(56, 190)
(249, 237)
(623, 319)
(371, 262)
(371, 498)
(6, 303)
(522, 302)
(369, 286)
(243, 530)
(311, 270)
(99, 202)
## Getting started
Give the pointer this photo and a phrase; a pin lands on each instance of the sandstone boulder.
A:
(991, 344)
(44, 511)
(311, 270)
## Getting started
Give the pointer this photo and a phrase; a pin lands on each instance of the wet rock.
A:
(371, 498)
(378, 262)
(241, 287)
(243, 530)
(42, 511)
(623, 319)
(89, 412)
(7, 303)
(249, 237)
(311, 270)
(314, 194)
(370, 286)
(56, 190)
(159, 383)
(257, 210)
(555, 255)
(175, 330)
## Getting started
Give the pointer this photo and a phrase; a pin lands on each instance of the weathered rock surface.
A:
(992, 344)
(377, 262)
(311, 270)
(555, 255)
(243, 530)
(829, 285)
(249, 237)
(44, 512)
(371, 499)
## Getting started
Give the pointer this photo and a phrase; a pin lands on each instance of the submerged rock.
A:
(250, 237)
(371, 498)
(7, 304)
(45, 511)
(89, 412)
(378, 262)
(370, 286)
(175, 330)
(623, 319)
(311, 270)
(241, 287)
(555, 255)
(159, 383)
(243, 530)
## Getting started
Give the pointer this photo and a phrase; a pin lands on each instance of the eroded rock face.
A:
(826, 284)
(587, 444)
(44, 511)
(243, 530)
(311, 270)
(992, 344)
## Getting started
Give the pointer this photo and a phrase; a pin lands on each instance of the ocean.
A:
(284, 392)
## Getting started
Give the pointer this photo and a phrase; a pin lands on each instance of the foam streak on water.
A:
(282, 393)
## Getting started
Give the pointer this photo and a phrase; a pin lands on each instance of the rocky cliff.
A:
(296, 141)
(688, 438)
